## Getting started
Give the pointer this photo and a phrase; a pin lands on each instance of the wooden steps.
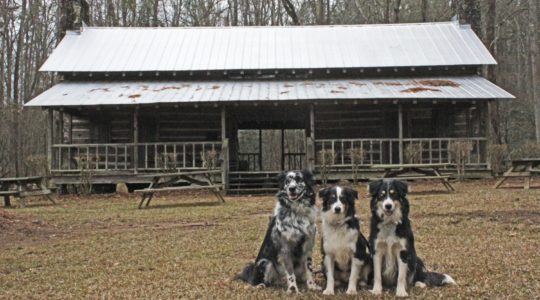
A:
(253, 183)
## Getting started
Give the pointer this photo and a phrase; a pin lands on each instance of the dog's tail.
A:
(431, 278)
(253, 273)
(437, 279)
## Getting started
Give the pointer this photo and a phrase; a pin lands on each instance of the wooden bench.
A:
(521, 168)
(6, 195)
(163, 183)
(416, 172)
(22, 187)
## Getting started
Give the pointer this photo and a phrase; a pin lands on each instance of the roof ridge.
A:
(273, 27)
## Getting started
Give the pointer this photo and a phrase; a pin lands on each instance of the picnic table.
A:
(22, 187)
(162, 182)
(416, 171)
(521, 168)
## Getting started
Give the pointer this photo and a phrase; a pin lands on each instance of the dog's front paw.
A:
(261, 286)
(376, 290)
(351, 292)
(313, 286)
(420, 284)
(328, 292)
(293, 289)
(401, 293)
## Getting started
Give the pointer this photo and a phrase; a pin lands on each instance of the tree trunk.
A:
(397, 8)
(533, 56)
(424, 10)
(289, 8)
(16, 91)
(469, 12)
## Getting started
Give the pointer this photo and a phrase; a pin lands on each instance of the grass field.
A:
(187, 246)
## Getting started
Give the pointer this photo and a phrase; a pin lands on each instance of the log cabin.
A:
(254, 101)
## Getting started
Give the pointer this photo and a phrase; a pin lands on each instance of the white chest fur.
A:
(387, 246)
(340, 243)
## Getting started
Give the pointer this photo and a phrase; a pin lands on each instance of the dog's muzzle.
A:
(388, 207)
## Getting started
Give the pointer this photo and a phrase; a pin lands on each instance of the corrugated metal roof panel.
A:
(149, 92)
(117, 49)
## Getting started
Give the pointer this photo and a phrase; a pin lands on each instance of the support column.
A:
(136, 140)
(400, 124)
(488, 131)
(50, 123)
(224, 150)
(61, 126)
(310, 147)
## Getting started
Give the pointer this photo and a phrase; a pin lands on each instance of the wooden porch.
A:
(118, 145)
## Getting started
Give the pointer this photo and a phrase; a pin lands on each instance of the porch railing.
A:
(123, 158)
(387, 151)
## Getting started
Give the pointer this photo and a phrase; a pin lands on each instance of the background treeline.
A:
(30, 29)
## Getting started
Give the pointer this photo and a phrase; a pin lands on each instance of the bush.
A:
(460, 152)
(527, 150)
(412, 154)
(326, 159)
(498, 154)
(357, 156)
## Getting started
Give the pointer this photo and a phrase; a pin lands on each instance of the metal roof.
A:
(124, 49)
(150, 92)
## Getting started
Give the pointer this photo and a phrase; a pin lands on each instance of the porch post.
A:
(311, 140)
(135, 140)
(50, 123)
(400, 124)
(224, 150)
(488, 131)
(61, 126)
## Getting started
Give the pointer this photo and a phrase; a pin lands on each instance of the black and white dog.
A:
(346, 255)
(285, 254)
(394, 256)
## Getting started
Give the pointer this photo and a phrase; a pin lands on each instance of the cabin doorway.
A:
(271, 149)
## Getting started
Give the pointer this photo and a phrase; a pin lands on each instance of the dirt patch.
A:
(438, 82)
(15, 230)
(419, 89)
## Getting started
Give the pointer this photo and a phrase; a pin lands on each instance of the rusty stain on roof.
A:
(389, 83)
(284, 92)
(438, 82)
(356, 83)
(99, 89)
(335, 92)
(215, 87)
(287, 85)
(419, 89)
(167, 88)
(133, 96)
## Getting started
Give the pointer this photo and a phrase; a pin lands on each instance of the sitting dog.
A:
(345, 250)
(394, 256)
(285, 254)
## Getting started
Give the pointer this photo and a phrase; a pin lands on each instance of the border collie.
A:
(345, 250)
(285, 254)
(394, 257)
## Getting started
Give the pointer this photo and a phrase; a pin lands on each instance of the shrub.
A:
(497, 157)
(460, 151)
(412, 154)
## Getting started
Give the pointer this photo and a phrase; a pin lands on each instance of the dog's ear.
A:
(308, 177)
(374, 187)
(324, 193)
(401, 187)
(351, 193)
(281, 179)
